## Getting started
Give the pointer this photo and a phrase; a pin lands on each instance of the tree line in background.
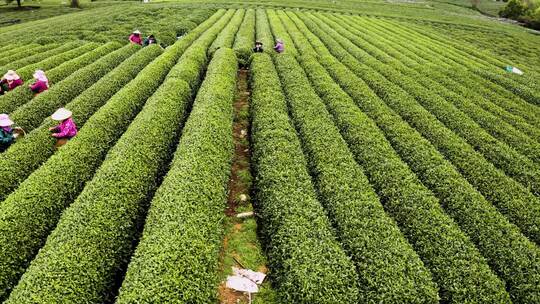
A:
(525, 11)
(72, 3)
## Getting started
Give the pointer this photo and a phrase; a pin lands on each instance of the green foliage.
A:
(263, 32)
(514, 9)
(503, 101)
(31, 114)
(102, 221)
(42, 55)
(178, 257)
(52, 61)
(307, 263)
(472, 164)
(23, 52)
(436, 238)
(27, 154)
(476, 216)
(511, 129)
(112, 22)
(225, 39)
(279, 32)
(245, 38)
(165, 37)
(390, 271)
(29, 214)
(22, 95)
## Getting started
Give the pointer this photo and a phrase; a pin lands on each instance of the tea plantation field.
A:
(393, 158)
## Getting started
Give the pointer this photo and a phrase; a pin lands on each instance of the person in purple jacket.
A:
(41, 84)
(66, 129)
(280, 47)
(9, 82)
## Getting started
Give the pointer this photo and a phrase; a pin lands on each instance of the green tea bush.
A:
(165, 37)
(279, 32)
(10, 49)
(31, 114)
(507, 159)
(29, 214)
(307, 263)
(457, 266)
(27, 154)
(177, 259)
(23, 52)
(22, 95)
(522, 207)
(43, 55)
(389, 269)
(54, 61)
(245, 38)
(514, 110)
(515, 133)
(263, 31)
(496, 238)
(103, 219)
(225, 39)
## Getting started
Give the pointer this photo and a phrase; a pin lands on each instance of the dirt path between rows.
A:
(240, 243)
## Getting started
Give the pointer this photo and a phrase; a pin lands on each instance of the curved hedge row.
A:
(448, 89)
(22, 95)
(53, 61)
(31, 114)
(521, 168)
(93, 239)
(308, 265)
(475, 90)
(12, 48)
(390, 271)
(189, 69)
(279, 32)
(225, 39)
(496, 93)
(437, 239)
(29, 214)
(263, 32)
(177, 259)
(513, 256)
(26, 155)
(245, 38)
(25, 51)
(485, 66)
(42, 55)
(440, 113)
(511, 198)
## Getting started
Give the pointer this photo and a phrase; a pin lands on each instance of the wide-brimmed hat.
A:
(11, 75)
(5, 121)
(61, 114)
(40, 75)
(279, 40)
(258, 42)
(136, 32)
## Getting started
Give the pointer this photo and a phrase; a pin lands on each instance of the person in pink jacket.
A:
(135, 37)
(66, 129)
(280, 47)
(9, 82)
(41, 84)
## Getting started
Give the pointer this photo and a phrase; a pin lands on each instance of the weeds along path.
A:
(241, 247)
(29, 214)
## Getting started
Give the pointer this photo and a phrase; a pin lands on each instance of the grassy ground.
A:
(35, 10)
